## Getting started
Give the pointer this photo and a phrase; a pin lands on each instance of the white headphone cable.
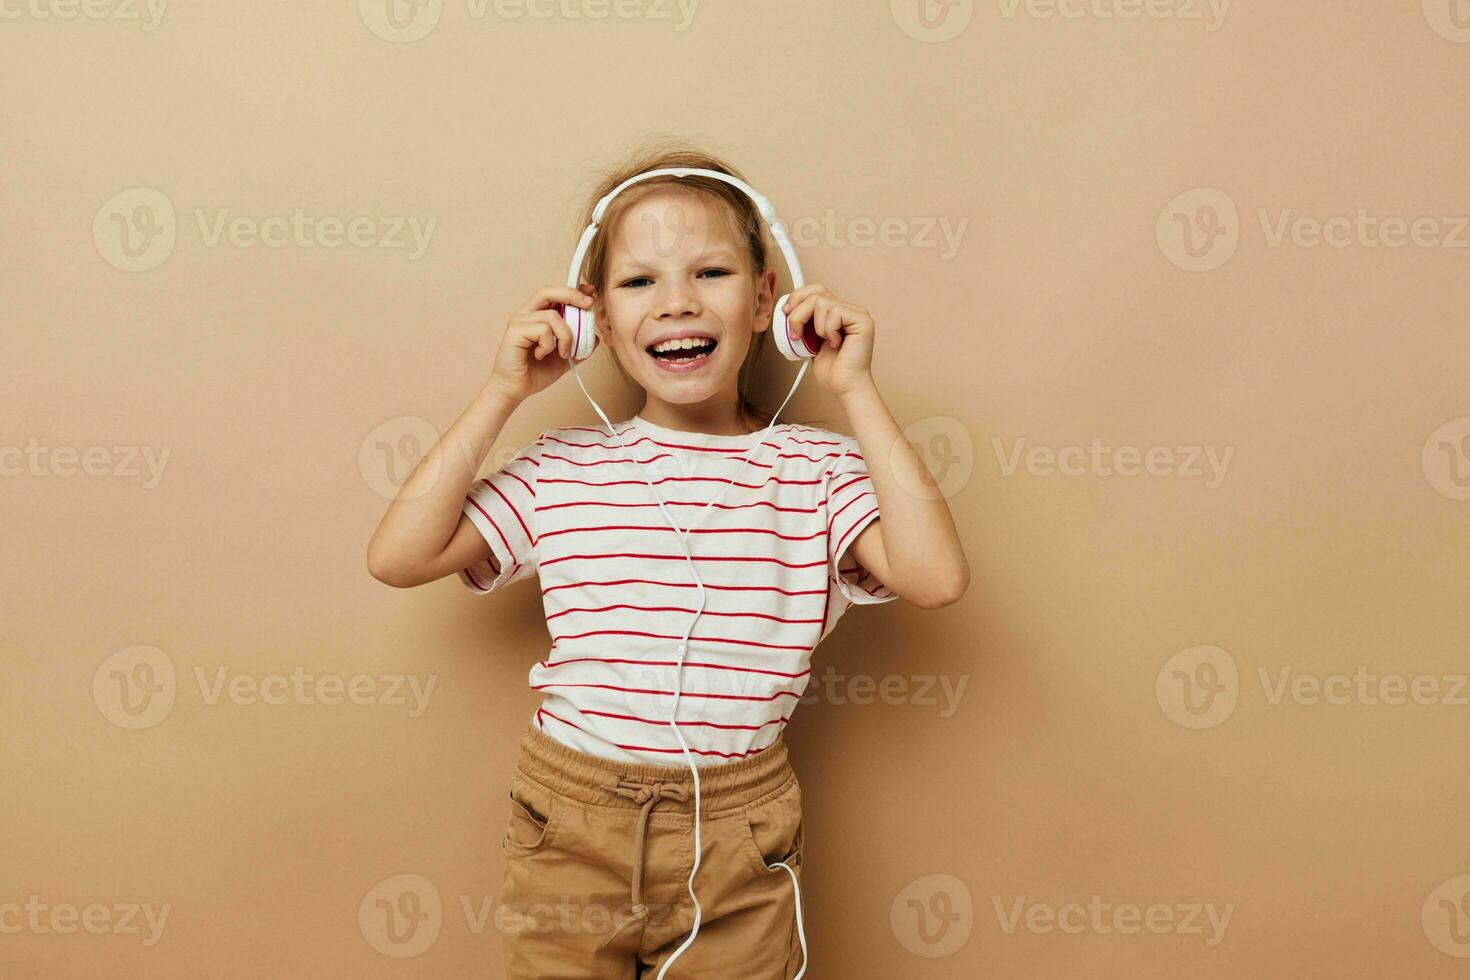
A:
(683, 536)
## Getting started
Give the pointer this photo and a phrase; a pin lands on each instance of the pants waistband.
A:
(593, 779)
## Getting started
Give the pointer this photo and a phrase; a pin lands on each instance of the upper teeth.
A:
(683, 343)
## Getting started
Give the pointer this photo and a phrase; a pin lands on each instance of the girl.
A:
(786, 529)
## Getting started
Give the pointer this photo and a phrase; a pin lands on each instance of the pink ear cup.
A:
(584, 330)
(804, 346)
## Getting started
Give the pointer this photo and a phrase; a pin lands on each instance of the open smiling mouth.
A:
(683, 354)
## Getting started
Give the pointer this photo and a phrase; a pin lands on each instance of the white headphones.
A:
(584, 322)
(584, 341)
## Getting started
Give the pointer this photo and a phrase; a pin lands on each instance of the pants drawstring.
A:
(649, 795)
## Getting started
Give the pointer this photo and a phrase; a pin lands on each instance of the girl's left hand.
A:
(845, 361)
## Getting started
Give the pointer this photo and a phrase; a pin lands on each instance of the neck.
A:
(717, 416)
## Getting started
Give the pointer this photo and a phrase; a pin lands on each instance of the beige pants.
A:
(598, 856)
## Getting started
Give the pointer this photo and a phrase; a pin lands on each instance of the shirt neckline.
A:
(702, 440)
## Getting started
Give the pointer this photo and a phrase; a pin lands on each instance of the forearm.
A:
(422, 518)
(919, 543)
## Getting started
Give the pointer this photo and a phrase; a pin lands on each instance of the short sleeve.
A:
(851, 504)
(502, 507)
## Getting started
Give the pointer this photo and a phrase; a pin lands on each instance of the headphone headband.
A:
(778, 231)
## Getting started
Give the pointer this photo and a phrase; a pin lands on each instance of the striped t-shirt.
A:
(573, 509)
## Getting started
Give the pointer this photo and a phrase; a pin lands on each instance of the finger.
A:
(829, 323)
(804, 313)
(544, 297)
(798, 295)
(538, 335)
(560, 329)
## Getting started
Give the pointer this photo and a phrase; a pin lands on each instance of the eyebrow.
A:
(723, 255)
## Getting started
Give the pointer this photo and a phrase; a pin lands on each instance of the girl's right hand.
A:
(533, 352)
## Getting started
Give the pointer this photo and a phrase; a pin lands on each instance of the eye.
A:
(633, 283)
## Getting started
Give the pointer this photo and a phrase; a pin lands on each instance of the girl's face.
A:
(681, 303)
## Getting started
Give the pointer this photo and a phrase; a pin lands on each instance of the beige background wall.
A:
(1118, 726)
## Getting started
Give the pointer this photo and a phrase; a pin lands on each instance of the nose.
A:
(677, 299)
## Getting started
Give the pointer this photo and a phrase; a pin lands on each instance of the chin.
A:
(684, 391)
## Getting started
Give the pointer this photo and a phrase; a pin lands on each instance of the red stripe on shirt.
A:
(707, 612)
(508, 549)
(682, 694)
(856, 524)
(774, 561)
(529, 536)
(646, 748)
(683, 503)
(684, 585)
(669, 636)
(685, 724)
(690, 479)
(675, 663)
(697, 530)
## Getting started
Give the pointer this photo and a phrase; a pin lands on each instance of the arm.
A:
(912, 547)
(425, 534)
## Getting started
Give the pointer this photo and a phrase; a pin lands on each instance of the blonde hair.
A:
(663, 152)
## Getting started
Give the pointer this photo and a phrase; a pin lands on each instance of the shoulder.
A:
(574, 438)
(808, 435)
(811, 447)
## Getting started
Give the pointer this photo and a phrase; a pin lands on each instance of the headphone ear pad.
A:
(583, 324)
(803, 347)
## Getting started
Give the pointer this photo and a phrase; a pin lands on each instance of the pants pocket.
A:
(773, 833)
(534, 818)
